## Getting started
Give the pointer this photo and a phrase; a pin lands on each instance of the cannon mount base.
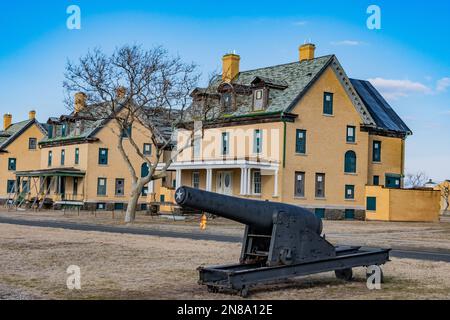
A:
(240, 277)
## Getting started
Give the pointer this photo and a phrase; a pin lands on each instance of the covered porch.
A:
(245, 178)
(49, 187)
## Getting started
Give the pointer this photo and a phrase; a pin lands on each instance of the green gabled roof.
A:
(297, 76)
(15, 130)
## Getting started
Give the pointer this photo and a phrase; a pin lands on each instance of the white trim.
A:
(178, 179)
(208, 179)
(224, 164)
(275, 184)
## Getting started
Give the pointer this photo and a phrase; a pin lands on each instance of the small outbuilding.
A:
(409, 205)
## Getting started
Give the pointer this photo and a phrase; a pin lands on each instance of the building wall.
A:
(392, 158)
(25, 159)
(115, 169)
(326, 148)
(404, 204)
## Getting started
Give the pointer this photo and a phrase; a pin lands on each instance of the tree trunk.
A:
(130, 215)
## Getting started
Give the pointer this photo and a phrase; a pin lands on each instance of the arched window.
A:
(350, 162)
(144, 170)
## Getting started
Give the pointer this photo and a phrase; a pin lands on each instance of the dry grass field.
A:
(33, 263)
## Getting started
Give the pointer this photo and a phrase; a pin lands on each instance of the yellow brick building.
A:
(301, 133)
(80, 165)
(18, 151)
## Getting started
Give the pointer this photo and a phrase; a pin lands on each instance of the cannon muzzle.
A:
(259, 215)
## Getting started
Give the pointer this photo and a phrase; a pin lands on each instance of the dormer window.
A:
(227, 101)
(259, 99)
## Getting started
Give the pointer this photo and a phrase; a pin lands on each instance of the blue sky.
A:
(408, 59)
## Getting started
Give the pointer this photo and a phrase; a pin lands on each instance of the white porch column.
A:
(248, 188)
(151, 187)
(178, 178)
(275, 184)
(208, 179)
(243, 180)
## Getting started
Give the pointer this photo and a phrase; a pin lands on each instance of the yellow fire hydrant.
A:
(203, 222)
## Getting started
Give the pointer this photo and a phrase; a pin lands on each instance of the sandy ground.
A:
(430, 236)
(33, 263)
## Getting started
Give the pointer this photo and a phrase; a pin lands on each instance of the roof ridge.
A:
(286, 64)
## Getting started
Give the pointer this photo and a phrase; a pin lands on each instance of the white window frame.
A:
(254, 183)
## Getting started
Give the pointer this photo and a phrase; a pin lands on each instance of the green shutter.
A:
(371, 204)
(349, 214)
(300, 141)
(320, 213)
(328, 103)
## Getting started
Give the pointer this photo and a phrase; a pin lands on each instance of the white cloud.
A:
(352, 43)
(443, 84)
(394, 89)
(300, 23)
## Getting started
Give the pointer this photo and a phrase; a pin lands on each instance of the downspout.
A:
(284, 143)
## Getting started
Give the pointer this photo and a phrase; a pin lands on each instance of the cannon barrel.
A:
(254, 213)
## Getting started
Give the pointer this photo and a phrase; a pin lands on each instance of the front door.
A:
(225, 182)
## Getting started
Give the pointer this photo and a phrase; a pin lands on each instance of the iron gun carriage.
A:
(281, 241)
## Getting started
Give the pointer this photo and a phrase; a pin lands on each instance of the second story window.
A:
(12, 164)
(300, 143)
(351, 134)
(350, 162)
(376, 151)
(126, 133)
(50, 158)
(225, 143)
(32, 144)
(63, 157)
(147, 149)
(257, 141)
(328, 103)
(103, 156)
(77, 156)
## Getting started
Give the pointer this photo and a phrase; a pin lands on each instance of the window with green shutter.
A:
(349, 192)
(300, 142)
(103, 156)
(11, 186)
(371, 204)
(77, 156)
(376, 151)
(12, 164)
(351, 134)
(350, 162)
(50, 158)
(63, 156)
(376, 180)
(225, 143)
(101, 187)
(257, 141)
(328, 103)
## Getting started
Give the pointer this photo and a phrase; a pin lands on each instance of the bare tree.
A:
(445, 193)
(135, 86)
(416, 180)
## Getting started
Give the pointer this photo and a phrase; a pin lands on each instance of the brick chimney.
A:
(32, 115)
(230, 66)
(306, 52)
(7, 120)
(80, 101)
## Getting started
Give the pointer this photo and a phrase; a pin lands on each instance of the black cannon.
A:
(281, 241)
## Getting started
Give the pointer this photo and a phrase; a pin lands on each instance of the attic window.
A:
(227, 101)
(259, 99)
